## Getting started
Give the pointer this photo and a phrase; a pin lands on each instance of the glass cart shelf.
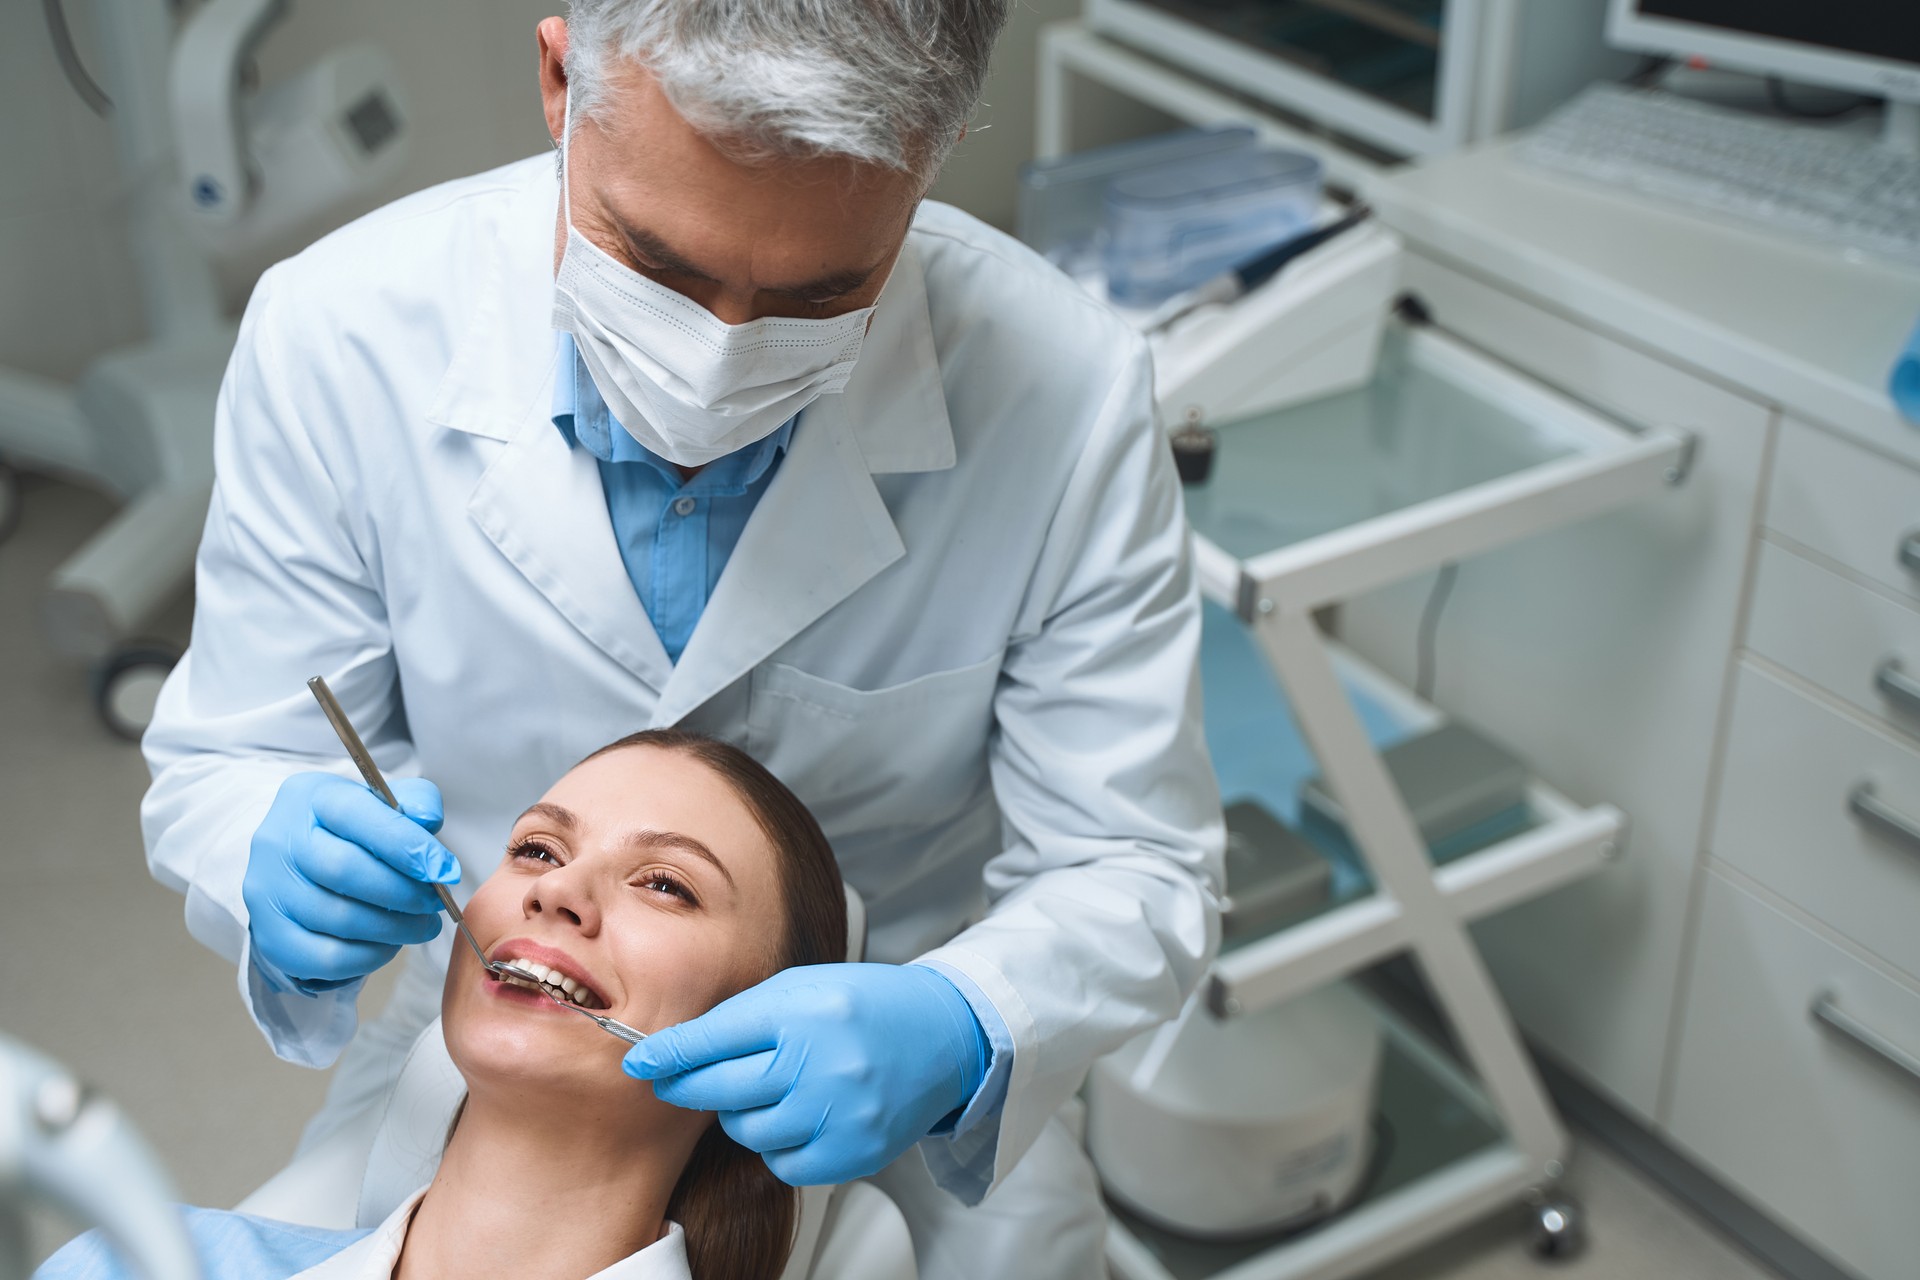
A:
(1444, 455)
(1561, 842)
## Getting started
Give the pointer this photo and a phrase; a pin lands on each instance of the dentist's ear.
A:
(552, 38)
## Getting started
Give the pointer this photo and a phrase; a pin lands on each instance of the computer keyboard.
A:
(1800, 181)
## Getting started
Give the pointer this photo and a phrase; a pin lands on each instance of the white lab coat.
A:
(961, 623)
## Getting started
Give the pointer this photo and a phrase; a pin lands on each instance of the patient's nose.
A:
(568, 894)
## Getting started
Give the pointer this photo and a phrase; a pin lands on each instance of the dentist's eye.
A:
(533, 850)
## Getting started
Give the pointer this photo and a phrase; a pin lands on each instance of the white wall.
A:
(66, 281)
(983, 173)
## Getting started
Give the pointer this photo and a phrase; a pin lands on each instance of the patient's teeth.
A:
(568, 983)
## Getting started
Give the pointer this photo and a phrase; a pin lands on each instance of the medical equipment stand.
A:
(1450, 455)
(140, 421)
(1538, 462)
(1556, 462)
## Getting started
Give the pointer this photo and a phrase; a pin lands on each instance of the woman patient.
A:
(661, 875)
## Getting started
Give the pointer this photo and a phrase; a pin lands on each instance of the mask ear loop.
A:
(566, 169)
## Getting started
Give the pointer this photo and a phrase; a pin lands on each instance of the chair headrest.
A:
(413, 1128)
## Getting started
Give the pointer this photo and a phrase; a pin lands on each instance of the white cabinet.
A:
(1856, 643)
(1820, 1129)
(1599, 653)
(1853, 506)
(1610, 655)
(1728, 665)
(1793, 815)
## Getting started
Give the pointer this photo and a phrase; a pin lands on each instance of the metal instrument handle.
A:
(1876, 813)
(370, 774)
(1899, 688)
(1827, 1012)
(1910, 552)
(619, 1029)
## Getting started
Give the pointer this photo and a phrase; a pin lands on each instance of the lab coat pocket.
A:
(908, 755)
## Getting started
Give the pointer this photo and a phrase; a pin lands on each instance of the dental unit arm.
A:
(254, 165)
(210, 164)
(74, 1150)
(207, 118)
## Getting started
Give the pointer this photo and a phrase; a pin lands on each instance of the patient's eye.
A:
(534, 850)
(662, 881)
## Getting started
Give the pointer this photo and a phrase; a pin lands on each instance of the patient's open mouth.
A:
(535, 976)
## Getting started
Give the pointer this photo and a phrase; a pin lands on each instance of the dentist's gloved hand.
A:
(830, 1071)
(337, 882)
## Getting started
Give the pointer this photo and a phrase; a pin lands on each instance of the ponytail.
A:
(739, 1219)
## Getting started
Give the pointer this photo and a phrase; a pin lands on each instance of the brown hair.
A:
(739, 1219)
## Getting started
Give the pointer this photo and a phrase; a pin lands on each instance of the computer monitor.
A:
(1868, 46)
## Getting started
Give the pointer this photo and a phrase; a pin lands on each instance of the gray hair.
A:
(887, 82)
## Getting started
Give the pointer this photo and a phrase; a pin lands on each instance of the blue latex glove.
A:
(336, 882)
(830, 1071)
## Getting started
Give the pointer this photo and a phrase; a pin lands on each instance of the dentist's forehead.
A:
(797, 220)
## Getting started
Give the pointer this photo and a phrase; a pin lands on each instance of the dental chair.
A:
(361, 1172)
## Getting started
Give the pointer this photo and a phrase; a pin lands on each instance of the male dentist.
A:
(716, 422)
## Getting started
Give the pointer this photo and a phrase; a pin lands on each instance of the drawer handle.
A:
(1910, 552)
(1872, 811)
(1827, 1012)
(1899, 688)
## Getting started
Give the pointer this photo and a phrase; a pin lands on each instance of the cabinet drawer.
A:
(1785, 819)
(1851, 641)
(1861, 509)
(1815, 1127)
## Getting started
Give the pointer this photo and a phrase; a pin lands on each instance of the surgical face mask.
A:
(683, 382)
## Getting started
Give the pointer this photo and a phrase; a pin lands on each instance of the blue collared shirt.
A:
(675, 535)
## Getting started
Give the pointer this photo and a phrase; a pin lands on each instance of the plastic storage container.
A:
(1175, 225)
(1062, 201)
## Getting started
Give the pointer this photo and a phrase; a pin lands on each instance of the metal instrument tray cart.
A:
(1445, 454)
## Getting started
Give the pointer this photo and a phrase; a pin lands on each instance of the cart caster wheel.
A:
(127, 684)
(9, 501)
(1559, 1228)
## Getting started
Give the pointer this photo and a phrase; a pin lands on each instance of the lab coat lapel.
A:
(822, 531)
(541, 503)
(818, 535)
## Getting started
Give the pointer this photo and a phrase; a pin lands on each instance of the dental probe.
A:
(370, 774)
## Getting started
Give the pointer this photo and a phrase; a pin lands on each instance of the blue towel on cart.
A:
(1905, 382)
(1258, 752)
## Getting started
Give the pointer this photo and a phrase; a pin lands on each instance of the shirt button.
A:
(684, 506)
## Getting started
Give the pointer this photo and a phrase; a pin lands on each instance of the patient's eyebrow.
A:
(546, 809)
(562, 816)
(674, 840)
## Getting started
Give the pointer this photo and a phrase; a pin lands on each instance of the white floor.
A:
(101, 974)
